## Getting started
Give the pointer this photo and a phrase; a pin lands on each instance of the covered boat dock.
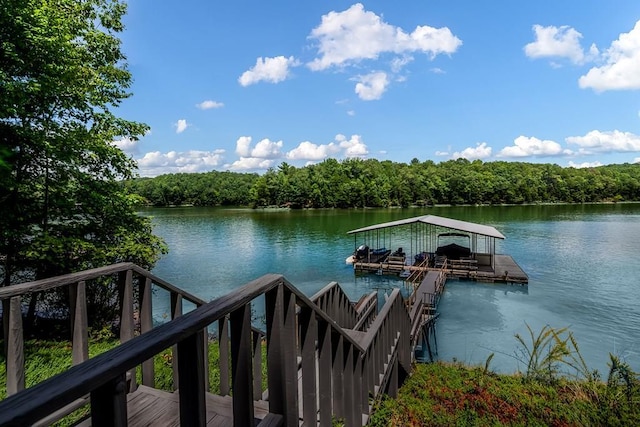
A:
(414, 246)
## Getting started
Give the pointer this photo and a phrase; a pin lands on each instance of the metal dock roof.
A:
(469, 227)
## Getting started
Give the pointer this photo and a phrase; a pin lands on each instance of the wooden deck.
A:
(506, 270)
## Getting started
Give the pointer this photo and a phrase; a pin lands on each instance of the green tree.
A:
(62, 204)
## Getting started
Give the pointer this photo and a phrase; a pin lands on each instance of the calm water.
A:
(582, 262)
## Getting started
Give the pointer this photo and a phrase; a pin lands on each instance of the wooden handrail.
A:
(86, 275)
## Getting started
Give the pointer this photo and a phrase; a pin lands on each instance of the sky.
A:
(246, 85)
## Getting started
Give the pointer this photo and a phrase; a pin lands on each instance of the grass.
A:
(446, 394)
(453, 394)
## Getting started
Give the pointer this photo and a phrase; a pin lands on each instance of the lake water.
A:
(582, 262)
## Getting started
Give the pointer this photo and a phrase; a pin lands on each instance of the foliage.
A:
(198, 189)
(374, 183)
(548, 352)
(442, 394)
(62, 206)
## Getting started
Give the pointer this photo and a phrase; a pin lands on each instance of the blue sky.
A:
(247, 85)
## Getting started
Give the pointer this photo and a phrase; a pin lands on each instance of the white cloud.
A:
(128, 145)
(531, 146)
(437, 70)
(353, 147)
(442, 153)
(264, 149)
(398, 63)
(371, 86)
(480, 151)
(250, 163)
(272, 70)
(156, 163)
(209, 104)
(585, 165)
(309, 151)
(181, 125)
(636, 160)
(598, 142)
(355, 34)
(351, 113)
(558, 42)
(256, 158)
(267, 149)
(622, 68)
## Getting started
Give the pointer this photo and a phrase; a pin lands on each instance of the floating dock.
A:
(425, 236)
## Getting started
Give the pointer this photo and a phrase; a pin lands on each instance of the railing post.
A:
(308, 337)
(146, 324)
(109, 403)
(243, 412)
(126, 315)
(257, 363)
(223, 349)
(15, 347)
(324, 367)
(193, 411)
(176, 311)
(79, 322)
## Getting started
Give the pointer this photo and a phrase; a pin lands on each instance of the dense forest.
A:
(374, 183)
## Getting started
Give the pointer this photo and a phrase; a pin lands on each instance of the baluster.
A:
(146, 324)
(324, 367)
(358, 380)
(282, 364)
(337, 366)
(15, 346)
(257, 364)
(126, 315)
(240, 366)
(191, 379)
(223, 349)
(176, 311)
(79, 322)
(309, 335)
(347, 381)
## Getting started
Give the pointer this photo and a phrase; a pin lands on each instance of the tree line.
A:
(373, 183)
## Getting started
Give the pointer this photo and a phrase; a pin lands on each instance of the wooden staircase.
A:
(327, 358)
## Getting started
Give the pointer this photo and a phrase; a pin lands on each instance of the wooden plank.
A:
(191, 380)
(240, 362)
(79, 322)
(15, 348)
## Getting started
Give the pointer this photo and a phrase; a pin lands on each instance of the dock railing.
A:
(362, 365)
